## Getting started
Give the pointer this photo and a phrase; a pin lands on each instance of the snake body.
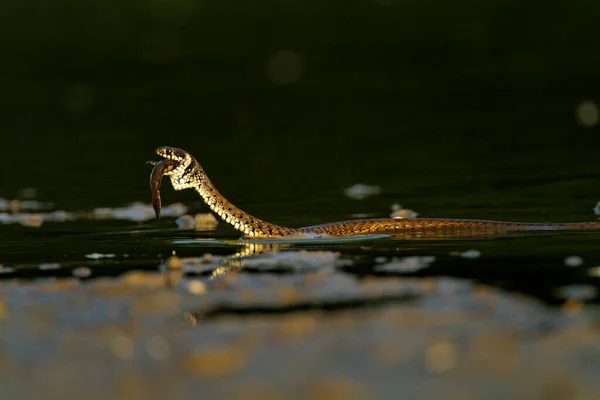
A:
(185, 173)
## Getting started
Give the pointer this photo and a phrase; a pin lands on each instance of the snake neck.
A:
(195, 177)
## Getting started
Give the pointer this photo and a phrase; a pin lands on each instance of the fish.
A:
(159, 170)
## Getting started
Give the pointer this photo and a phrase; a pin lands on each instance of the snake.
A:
(185, 172)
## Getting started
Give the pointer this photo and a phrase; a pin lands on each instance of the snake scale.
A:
(185, 172)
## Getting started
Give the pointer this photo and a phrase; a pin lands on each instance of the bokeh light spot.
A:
(122, 347)
(78, 98)
(158, 348)
(285, 66)
(587, 114)
(441, 356)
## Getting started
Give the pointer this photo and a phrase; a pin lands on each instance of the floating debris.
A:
(301, 260)
(16, 216)
(572, 307)
(185, 222)
(17, 205)
(468, 254)
(174, 262)
(359, 191)
(138, 212)
(14, 206)
(399, 212)
(102, 213)
(13, 212)
(597, 209)
(405, 265)
(135, 212)
(97, 256)
(595, 272)
(82, 272)
(48, 266)
(32, 220)
(196, 287)
(205, 221)
(578, 292)
(573, 261)
(59, 216)
(35, 220)
(174, 210)
(6, 270)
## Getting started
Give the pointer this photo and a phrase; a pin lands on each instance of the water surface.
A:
(453, 114)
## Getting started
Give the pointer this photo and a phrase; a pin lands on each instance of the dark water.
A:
(462, 111)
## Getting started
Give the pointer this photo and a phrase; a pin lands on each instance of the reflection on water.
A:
(290, 240)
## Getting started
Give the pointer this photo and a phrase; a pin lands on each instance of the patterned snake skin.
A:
(185, 172)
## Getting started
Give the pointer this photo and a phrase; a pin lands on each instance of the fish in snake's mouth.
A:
(173, 159)
(176, 160)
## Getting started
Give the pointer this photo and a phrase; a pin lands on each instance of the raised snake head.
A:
(182, 157)
(181, 167)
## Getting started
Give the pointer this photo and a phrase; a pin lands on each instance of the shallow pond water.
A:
(482, 111)
(111, 302)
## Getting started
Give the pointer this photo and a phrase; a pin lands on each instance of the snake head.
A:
(182, 159)
(173, 153)
(180, 166)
